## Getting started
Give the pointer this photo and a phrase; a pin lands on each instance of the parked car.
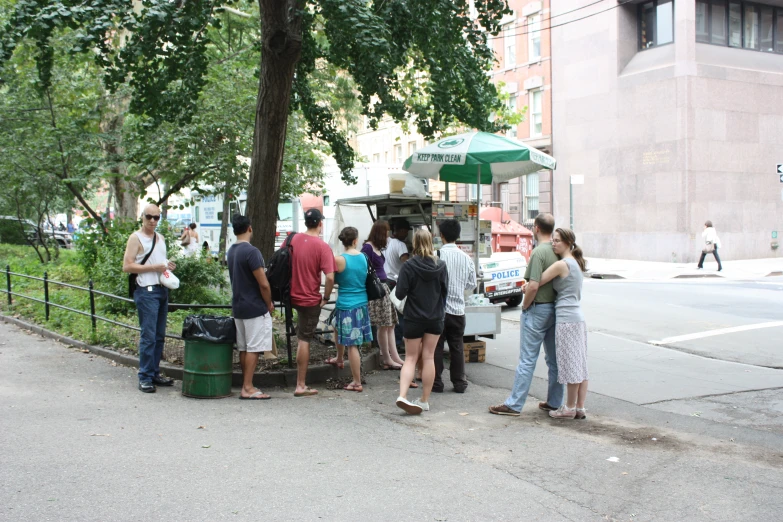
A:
(12, 232)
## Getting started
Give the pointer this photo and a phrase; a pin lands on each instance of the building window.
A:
(743, 25)
(411, 147)
(376, 158)
(386, 157)
(656, 23)
(472, 192)
(512, 109)
(536, 113)
(530, 202)
(398, 153)
(534, 38)
(510, 44)
(505, 197)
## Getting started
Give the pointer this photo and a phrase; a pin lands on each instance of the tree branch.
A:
(64, 175)
(235, 11)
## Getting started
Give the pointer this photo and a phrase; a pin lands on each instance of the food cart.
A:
(362, 212)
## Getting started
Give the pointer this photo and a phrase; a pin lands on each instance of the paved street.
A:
(79, 442)
(625, 318)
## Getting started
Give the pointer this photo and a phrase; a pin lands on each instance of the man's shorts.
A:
(254, 335)
(307, 322)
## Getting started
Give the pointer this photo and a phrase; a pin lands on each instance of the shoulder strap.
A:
(154, 240)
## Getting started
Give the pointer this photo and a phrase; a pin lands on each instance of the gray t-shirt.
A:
(246, 302)
(569, 294)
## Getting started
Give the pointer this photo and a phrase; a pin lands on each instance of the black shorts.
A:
(417, 329)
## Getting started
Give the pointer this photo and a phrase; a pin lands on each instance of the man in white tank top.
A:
(150, 296)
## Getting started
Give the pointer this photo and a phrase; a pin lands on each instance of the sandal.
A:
(334, 362)
(391, 367)
(353, 387)
(414, 384)
(308, 392)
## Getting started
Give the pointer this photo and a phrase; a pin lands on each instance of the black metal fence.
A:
(93, 293)
(94, 317)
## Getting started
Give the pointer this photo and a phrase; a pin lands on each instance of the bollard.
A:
(46, 294)
(8, 283)
(92, 307)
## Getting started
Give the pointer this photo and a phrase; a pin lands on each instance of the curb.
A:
(279, 379)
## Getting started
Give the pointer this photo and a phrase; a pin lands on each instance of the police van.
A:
(503, 277)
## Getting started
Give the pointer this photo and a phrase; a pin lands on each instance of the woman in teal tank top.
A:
(351, 317)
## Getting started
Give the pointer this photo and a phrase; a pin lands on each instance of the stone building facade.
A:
(673, 113)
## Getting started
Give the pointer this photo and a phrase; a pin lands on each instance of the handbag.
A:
(185, 242)
(709, 248)
(373, 284)
(132, 277)
(399, 304)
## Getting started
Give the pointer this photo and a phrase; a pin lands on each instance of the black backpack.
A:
(278, 270)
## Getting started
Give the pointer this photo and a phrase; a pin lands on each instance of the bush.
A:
(11, 232)
(101, 257)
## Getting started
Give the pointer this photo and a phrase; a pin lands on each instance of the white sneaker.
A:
(409, 407)
(423, 405)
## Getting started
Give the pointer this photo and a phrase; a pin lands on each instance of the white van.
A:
(503, 277)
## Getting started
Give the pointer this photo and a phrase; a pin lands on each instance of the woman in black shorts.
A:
(424, 281)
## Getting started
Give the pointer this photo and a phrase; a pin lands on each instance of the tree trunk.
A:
(125, 192)
(224, 223)
(281, 26)
(126, 202)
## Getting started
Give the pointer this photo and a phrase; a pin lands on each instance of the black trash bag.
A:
(210, 328)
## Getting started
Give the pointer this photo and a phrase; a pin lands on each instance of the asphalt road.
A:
(79, 442)
(680, 346)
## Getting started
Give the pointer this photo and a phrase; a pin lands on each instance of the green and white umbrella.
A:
(477, 157)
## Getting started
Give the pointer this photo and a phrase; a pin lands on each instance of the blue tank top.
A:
(352, 292)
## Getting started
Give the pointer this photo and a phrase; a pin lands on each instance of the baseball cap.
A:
(313, 216)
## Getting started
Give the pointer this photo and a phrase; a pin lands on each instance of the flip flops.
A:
(353, 387)
(257, 396)
(308, 392)
(388, 367)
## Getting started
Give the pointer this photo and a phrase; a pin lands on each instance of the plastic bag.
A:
(210, 328)
(414, 187)
(169, 280)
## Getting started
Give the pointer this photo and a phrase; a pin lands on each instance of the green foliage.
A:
(202, 281)
(11, 233)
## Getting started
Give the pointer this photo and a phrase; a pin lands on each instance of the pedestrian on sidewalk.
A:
(351, 319)
(570, 327)
(310, 257)
(462, 277)
(396, 255)
(145, 256)
(537, 326)
(424, 281)
(711, 245)
(383, 315)
(189, 240)
(251, 304)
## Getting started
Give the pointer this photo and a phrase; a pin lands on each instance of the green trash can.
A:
(209, 356)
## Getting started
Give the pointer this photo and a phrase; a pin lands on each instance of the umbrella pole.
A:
(478, 219)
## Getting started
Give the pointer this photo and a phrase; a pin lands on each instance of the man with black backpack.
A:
(310, 257)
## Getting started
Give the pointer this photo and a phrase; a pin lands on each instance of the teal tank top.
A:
(352, 292)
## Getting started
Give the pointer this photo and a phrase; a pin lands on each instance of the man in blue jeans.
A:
(538, 325)
(145, 256)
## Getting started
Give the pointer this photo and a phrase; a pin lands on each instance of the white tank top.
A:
(157, 257)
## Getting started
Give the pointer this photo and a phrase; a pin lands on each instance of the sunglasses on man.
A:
(151, 217)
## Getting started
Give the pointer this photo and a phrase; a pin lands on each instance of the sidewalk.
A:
(742, 270)
(66, 453)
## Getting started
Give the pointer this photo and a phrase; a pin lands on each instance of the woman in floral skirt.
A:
(351, 318)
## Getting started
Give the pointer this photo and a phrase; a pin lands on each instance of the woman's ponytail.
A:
(579, 256)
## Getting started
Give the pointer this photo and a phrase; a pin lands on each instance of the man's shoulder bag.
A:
(132, 277)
